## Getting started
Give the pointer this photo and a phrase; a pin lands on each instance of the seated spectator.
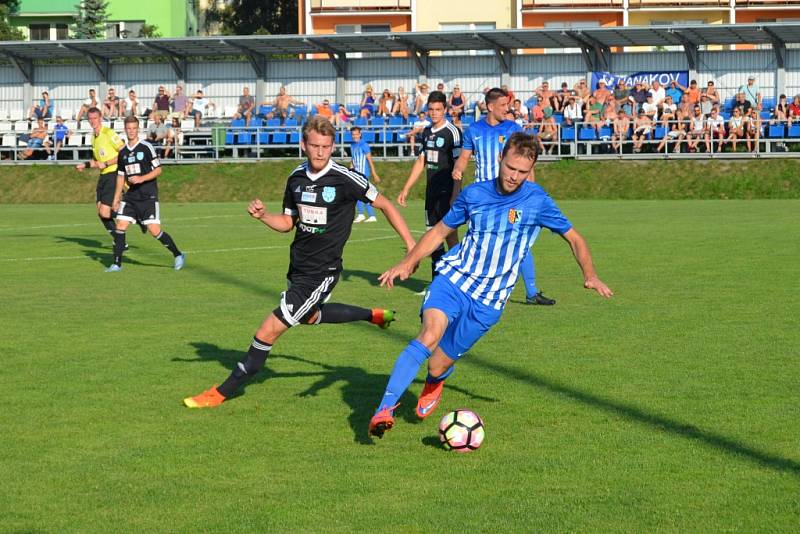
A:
(712, 93)
(367, 105)
(658, 92)
(509, 93)
(676, 133)
(684, 108)
(60, 134)
(160, 105)
(693, 93)
(638, 97)
(794, 108)
(200, 107)
(752, 92)
(324, 110)
(177, 135)
(735, 128)
(622, 96)
(650, 108)
(246, 107)
(715, 129)
(642, 127)
(752, 130)
(43, 109)
(675, 90)
(401, 105)
(781, 112)
(582, 91)
(129, 107)
(706, 105)
(622, 125)
(386, 104)
(668, 112)
(563, 96)
(283, 103)
(601, 93)
(342, 117)
(742, 103)
(548, 132)
(440, 87)
(521, 112)
(181, 104)
(572, 112)
(111, 104)
(480, 103)
(456, 104)
(88, 103)
(536, 113)
(607, 116)
(697, 128)
(159, 132)
(36, 139)
(593, 112)
(547, 97)
(421, 100)
(415, 135)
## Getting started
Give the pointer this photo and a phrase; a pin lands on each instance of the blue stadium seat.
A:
(263, 110)
(290, 122)
(568, 133)
(353, 109)
(378, 121)
(280, 138)
(300, 112)
(725, 114)
(272, 123)
(794, 130)
(263, 137)
(397, 120)
(368, 136)
(238, 123)
(776, 131)
(559, 117)
(768, 103)
(294, 137)
(606, 132)
(765, 115)
(244, 138)
(587, 134)
(386, 137)
(660, 132)
(468, 120)
(230, 137)
(728, 105)
(361, 121)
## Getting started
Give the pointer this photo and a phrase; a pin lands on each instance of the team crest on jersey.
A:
(514, 215)
(439, 142)
(140, 156)
(328, 193)
(502, 140)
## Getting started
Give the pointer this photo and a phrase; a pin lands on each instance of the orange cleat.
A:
(207, 399)
(429, 399)
(382, 318)
(382, 421)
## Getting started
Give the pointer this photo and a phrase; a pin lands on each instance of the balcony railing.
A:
(566, 4)
(639, 4)
(318, 6)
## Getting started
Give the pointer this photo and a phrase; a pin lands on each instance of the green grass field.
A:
(671, 407)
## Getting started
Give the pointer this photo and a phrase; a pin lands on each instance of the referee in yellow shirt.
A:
(106, 145)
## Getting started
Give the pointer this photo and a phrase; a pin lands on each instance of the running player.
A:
(441, 145)
(105, 148)
(486, 139)
(476, 278)
(139, 169)
(318, 203)
(362, 162)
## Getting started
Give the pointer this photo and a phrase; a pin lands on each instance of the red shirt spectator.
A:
(794, 107)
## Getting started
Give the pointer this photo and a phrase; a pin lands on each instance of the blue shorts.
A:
(468, 320)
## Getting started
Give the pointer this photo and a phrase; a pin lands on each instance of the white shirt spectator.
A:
(200, 104)
(658, 95)
(650, 108)
(669, 108)
(421, 124)
(573, 112)
(716, 123)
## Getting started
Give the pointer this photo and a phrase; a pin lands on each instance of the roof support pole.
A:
(596, 55)
(339, 61)
(176, 61)
(25, 68)
(779, 48)
(503, 56)
(691, 51)
(259, 64)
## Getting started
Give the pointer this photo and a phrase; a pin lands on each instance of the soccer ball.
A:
(461, 431)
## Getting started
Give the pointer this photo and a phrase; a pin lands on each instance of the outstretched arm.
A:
(428, 243)
(395, 219)
(416, 171)
(584, 258)
(279, 222)
(461, 164)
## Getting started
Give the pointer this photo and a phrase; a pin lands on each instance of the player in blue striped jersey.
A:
(477, 277)
(362, 162)
(485, 139)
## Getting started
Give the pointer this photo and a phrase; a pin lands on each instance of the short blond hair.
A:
(318, 124)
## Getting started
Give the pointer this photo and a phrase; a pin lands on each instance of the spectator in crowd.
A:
(794, 108)
(440, 87)
(36, 139)
(200, 107)
(684, 107)
(706, 105)
(161, 104)
(650, 108)
(341, 117)
(246, 107)
(111, 105)
(572, 112)
(546, 97)
(668, 112)
(129, 106)
(742, 103)
(401, 105)
(658, 92)
(676, 133)
(642, 127)
(735, 128)
(752, 130)
(693, 93)
(601, 93)
(421, 100)
(622, 125)
(159, 132)
(715, 129)
(675, 90)
(88, 103)
(609, 115)
(638, 97)
(752, 92)
(367, 106)
(181, 104)
(697, 128)
(386, 104)
(456, 104)
(43, 109)
(548, 132)
(60, 134)
(282, 104)
(563, 96)
(509, 92)
(324, 110)
(521, 112)
(415, 135)
(712, 94)
(781, 113)
(593, 112)
(622, 96)
(177, 135)
(582, 91)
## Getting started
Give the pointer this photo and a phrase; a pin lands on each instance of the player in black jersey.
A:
(139, 168)
(441, 146)
(319, 204)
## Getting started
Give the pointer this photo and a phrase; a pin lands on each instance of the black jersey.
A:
(324, 205)
(442, 147)
(138, 160)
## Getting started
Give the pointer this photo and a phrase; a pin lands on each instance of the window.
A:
(62, 32)
(468, 26)
(39, 32)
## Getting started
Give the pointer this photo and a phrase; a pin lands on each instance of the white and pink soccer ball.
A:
(461, 431)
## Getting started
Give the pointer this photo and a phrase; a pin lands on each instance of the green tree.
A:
(8, 32)
(92, 18)
(254, 17)
(149, 31)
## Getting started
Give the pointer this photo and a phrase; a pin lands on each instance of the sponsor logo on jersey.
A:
(310, 229)
(308, 197)
(514, 215)
(328, 193)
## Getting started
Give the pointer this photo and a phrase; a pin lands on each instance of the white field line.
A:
(95, 223)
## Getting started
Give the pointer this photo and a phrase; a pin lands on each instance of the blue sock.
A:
(528, 271)
(370, 211)
(442, 377)
(403, 373)
(359, 207)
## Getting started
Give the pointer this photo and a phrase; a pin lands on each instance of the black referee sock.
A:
(119, 246)
(167, 241)
(436, 255)
(247, 368)
(343, 313)
(109, 224)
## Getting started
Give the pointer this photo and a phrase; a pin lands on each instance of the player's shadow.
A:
(102, 252)
(413, 284)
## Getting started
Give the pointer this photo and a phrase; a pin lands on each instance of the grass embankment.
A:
(568, 179)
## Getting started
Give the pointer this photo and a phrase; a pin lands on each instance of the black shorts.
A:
(106, 185)
(436, 208)
(303, 298)
(144, 211)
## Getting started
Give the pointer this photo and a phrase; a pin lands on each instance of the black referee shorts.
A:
(106, 185)
(436, 208)
(304, 297)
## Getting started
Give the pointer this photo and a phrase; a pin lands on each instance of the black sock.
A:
(245, 369)
(119, 246)
(436, 255)
(343, 313)
(109, 224)
(167, 241)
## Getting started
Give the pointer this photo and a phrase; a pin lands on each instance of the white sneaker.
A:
(372, 219)
(51, 158)
(359, 218)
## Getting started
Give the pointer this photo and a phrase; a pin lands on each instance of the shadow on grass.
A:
(103, 253)
(413, 284)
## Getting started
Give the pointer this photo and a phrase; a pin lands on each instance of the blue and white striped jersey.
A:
(359, 151)
(501, 228)
(486, 143)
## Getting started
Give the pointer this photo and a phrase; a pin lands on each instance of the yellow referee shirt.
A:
(105, 146)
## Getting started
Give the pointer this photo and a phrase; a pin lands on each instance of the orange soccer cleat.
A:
(382, 318)
(207, 399)
(382, 421)
(429, 398)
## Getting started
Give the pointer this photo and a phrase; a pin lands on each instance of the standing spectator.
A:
(622, 125)
(693, 93)
(456, 104)
(386, 104)
(697, 129)
(362, 162)
(283, 103)
(642, 127)
(111, 104)
(752, 92)
(181, 105)
(675, 90)
(712, 93)
(622, 96)
(129, 107)
(325, 110)
(401, 106)
(161, 104)
(572, 112)
(735, 128)
(601, 93)
(367, 105)
(43, 109)
(36, 139)
(201, 107)
(638, 97)
(658, 92)
(421, 100)
(60, 134)
(246, 106)
(752, 130)
(415, 135)
(715, 129)
(88, 103)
